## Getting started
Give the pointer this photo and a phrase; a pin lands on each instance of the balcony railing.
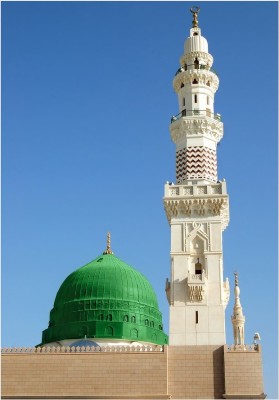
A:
(190, 113)
(196, 66)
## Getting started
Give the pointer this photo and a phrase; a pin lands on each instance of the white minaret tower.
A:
(238, 319)
(197, 205)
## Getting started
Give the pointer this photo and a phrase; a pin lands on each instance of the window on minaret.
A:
(195, 82)
(183, 102)
(196, 98)
(196, 63)
(198, 268)
(197, 317)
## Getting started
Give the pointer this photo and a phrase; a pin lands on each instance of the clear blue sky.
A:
(86, 104)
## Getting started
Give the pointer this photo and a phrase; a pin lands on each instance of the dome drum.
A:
(105, 330)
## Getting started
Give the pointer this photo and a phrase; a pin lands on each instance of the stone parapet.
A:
(197, 190)
(82, 349)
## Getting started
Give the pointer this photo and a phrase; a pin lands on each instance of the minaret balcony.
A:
(203, 76)
(197, 284)
(195, 66)
(192, 123)
(199, 200)
(191, 113)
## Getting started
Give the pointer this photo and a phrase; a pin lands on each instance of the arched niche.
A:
(198, 244)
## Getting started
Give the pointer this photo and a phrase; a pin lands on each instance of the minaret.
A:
(197, 205)
(238, 319)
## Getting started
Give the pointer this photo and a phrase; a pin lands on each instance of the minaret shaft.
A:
(196, 205)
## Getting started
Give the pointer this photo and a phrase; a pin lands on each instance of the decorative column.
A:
(197, 204)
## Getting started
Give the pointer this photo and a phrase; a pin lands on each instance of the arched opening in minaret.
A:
(195, 82)
(198, 268)
(196, 63)
(197, 246)
(182, 85)
(207, 83)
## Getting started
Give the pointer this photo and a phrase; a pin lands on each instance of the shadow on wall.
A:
(218, 372)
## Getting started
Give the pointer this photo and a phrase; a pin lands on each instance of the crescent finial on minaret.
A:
(195, 10)
(108, 249)
(236, 278)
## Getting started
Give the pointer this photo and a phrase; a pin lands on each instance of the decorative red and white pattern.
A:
(196, 163)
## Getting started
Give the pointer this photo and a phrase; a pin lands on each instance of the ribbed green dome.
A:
(106, 298)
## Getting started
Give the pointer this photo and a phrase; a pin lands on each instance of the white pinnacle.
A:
(238, 319)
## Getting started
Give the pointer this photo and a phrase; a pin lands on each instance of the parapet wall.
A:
(109, 372)
(124, 372)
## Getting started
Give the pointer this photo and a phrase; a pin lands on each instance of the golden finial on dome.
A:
(108, 249)
(195, 10)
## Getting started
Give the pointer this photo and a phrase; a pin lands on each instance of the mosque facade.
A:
(105, 338)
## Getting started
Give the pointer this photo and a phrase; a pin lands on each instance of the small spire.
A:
(108, 249)
(195, 10)
(238, 319)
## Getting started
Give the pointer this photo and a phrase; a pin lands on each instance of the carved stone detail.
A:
(196, 293)
(200, 206)
(203, 76)
(201, 125)
(189, 58)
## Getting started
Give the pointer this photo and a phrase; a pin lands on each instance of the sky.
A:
(87, 99)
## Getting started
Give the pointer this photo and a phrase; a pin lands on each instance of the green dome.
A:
(106, 299)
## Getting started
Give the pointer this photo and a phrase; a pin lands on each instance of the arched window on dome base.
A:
(109, 331)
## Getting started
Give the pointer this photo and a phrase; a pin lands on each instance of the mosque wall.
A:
(243, 372)
(119, 372)
(196, 372)
(99, 373)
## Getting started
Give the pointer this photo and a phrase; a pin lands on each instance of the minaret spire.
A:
(238, 319)
(195, 10)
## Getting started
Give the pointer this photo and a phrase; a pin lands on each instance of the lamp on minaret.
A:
(238, 319)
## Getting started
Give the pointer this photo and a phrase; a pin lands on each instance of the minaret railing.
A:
(195, 66)
(191, 113)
